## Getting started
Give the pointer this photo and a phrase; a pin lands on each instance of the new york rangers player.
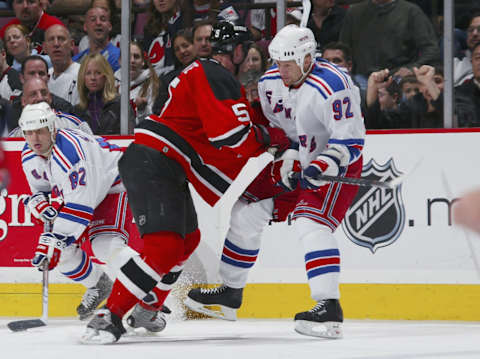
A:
(318, 106)
(82, 170)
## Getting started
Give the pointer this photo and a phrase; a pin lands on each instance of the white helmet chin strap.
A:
(304, 73)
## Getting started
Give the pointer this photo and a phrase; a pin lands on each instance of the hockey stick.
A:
(366, 182)
(306, 5)
(21, 325)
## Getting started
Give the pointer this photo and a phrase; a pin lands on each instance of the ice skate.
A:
(94, 296)
(324, 320)
(219, 302)
(104, 328)
(145, 316)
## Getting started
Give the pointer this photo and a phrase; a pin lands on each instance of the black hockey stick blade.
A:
(21, 325)
(361, 181)
(389, 184)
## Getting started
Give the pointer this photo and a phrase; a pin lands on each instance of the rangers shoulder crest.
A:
(376, 217)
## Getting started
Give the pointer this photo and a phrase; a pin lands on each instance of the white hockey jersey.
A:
(63, 121)
(324, 109)
(65, 85)
(81, 170)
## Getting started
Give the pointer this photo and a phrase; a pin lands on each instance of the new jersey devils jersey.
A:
(324, 109)
(205, 126)
(81, 169)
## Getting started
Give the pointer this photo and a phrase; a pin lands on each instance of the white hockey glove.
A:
(328, 163)
(49, 248)
(285, 170)
(40, 207)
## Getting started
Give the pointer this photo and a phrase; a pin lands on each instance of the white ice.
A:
(250, 339)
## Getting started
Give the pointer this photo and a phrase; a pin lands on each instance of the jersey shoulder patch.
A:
(67, 150)
(327, 78)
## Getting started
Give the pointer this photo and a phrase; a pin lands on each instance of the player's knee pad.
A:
(162, 250)
(104, 246)
(248, 220)
(119, 256)
(71, 257)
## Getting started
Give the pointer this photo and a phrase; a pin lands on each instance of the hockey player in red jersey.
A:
(203, 136)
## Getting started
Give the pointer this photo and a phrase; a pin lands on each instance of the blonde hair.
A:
(109, 89)
(23, 29)
(153, 79)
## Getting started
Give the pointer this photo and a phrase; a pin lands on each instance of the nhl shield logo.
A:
(376, 217)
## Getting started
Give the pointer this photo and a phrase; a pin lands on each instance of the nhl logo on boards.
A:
(376, 217)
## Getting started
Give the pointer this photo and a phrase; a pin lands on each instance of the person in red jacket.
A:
(30, 14)
(203, 136)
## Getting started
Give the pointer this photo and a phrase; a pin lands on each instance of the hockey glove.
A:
(273, 138)
(40, 207)
(327, 163)
(49, 248)
(322, 165)
(285, 170)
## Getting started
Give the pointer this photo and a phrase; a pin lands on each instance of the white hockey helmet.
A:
(37, 116)
(293, 43)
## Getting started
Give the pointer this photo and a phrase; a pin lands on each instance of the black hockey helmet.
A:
(226, 36)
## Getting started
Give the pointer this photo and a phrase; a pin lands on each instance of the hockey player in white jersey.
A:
(82, 170)
(318, 107)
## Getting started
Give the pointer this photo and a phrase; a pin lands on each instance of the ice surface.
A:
(251, 339)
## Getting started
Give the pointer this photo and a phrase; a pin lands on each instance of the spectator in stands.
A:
(30, 14)
(114, 34)
(183, 48)
(35, 90)
(462, 68)
(382, 102)
(184, 55)
(409, 86)
(45, 4)
(99, 100)
(200, 10)
(10, 84)
(426, 106)
(18, 45)
(35, 66)
(64, 71)
(388, 34)
(255, 60)
(339, 54)
(97, 26)
(143, 82)
(201, 39)
(166, 18)
(467, 95)
(326, 20)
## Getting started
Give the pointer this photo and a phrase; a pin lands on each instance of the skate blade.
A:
(216, 311)
(92, 336)
(329, 330)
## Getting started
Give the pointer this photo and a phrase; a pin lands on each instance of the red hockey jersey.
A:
(206, 126)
